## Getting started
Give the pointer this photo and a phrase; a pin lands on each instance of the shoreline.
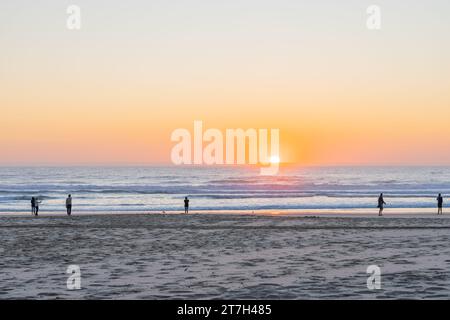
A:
(331, 213)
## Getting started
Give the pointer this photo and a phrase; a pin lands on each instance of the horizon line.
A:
(282, 164)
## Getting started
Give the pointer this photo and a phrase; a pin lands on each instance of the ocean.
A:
(163, 188)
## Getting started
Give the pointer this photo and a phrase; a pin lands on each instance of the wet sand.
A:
(213, 256)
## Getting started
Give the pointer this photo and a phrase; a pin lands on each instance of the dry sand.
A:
(167, 256)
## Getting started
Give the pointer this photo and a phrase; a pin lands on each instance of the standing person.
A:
(33, 205)
(440, 202)
(381, 204)
(36, 206)
(186, 205)
(69, 205)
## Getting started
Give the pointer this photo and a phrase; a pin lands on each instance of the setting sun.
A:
(275, 159)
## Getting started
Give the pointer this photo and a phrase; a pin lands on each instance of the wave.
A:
(221, 194)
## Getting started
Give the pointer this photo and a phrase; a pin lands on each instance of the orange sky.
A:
(114, 91)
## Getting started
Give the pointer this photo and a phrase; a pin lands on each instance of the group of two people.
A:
(381, 203)
(35, 205)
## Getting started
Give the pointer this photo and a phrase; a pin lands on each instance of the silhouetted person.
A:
(440, 202)
(381, 204)
(33, 205)
(36, 206)
(69, 205)
(186, 205)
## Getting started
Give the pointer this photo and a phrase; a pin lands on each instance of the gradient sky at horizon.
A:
(114, 91)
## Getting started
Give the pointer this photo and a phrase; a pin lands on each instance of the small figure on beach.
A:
(381, 204)
(36, 205)
(186, 205)
(440, 202)
(69, 205)
(33, 205)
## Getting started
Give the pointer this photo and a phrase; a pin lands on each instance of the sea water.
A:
(163, 188)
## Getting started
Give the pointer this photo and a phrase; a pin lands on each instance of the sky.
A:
(114, 91)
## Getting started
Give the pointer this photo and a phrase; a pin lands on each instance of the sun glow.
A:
(274, 159)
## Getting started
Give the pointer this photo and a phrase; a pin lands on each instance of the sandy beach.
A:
(211, 256)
